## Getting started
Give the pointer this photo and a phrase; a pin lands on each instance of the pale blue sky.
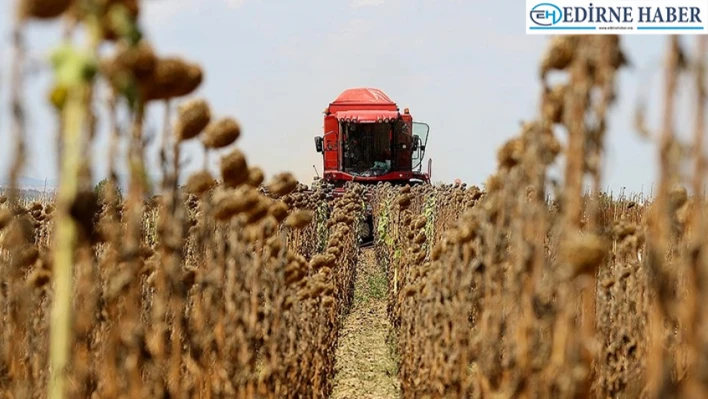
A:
(467, 70)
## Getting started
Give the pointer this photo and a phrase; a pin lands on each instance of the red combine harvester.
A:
(368, 140)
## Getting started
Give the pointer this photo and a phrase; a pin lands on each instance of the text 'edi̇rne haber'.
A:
(625, 14)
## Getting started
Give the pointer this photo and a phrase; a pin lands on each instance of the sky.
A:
(469, 71)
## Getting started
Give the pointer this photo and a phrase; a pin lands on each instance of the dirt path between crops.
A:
(365, 365)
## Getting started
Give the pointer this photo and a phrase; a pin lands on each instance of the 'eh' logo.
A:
(546, 14)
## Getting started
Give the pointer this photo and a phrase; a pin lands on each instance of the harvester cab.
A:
(368, 140)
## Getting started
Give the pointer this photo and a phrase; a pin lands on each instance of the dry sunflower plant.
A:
(226, 286)
(560, 292)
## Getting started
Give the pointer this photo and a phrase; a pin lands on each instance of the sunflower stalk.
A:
(74, 72)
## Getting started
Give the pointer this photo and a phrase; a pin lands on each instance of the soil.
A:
(365, 363)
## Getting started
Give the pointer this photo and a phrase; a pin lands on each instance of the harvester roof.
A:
(363, 95)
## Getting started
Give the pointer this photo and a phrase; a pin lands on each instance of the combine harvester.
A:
(368, 140)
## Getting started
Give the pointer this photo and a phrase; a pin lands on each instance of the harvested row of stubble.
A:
(497, 293)
(366, 363)
(213, 289)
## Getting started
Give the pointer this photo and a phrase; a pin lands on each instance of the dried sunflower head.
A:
(43, 9)
(193, 117)
(221, 133)
(234, 168)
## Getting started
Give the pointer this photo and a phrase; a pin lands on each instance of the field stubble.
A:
(365, 362)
